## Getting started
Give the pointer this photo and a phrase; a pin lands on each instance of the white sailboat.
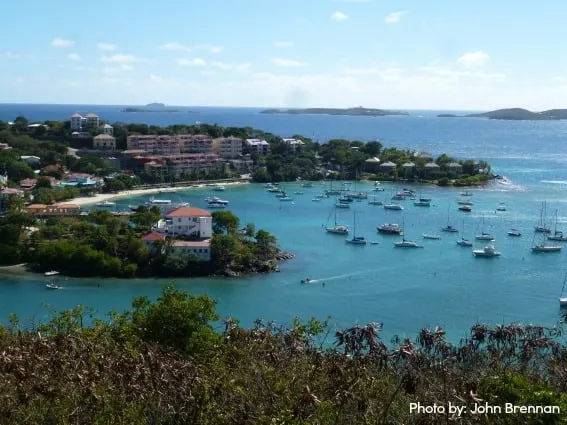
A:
(356, 240)
(463, 241)
(557, 234)
(483, 236)
(337, 229)
(448, 227)
(541, 226)
(406, 244)
(542, 246)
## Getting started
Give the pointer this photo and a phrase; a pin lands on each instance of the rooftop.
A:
(192, 244)
(188, 212)
(153, 236)
(104, 136)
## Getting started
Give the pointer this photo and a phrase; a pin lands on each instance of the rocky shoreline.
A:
(261, 267)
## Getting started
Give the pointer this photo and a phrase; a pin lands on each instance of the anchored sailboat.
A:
(448, 227)
(541, 229)
(406, 244)
(356, 240)
(463, 241)
(337, 229)
(557, 234)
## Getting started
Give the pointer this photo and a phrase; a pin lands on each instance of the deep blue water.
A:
(441, 284)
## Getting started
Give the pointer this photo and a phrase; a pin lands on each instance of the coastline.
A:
(102, 197)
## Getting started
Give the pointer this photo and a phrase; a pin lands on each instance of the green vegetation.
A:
(162, 363)
(100, 244)
(359, 111)
(522, 114)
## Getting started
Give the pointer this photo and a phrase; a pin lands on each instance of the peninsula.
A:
(519, 114)
(359, 111)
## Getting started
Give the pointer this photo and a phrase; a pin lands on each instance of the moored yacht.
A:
(433, 237)
(514, 232)
(489, 251)
(542, 247)
(390, 229)
(395, 207)
(106, 204)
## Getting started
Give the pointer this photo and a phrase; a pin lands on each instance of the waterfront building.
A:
(202, 249)
(228, 147)
(258, 147)
(187, 221)
(170, 145)
(43, 210)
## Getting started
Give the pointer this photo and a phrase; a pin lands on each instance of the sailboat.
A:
(557, 234)
(337, 229)
(406, 244)
(541, 227)
(448, 227)
(563, 298)
(483, 236)
(463, 241)
(356, 240)
(375, 201)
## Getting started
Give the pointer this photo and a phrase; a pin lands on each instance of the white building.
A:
(200, 248)
(30, 159)
(104, 141)
(77, 122)
(294, 144)
(80, 123)
(228, 147)
(187, 221)
(258, 147)
(106, 129)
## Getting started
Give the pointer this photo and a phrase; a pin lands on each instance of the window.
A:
(179, 220)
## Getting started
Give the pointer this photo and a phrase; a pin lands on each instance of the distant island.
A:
(156, 105)
(519, 114)
(151, 107)
(359, 111)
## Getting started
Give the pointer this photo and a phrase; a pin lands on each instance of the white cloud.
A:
(118, 69)
(339, 16)
(239, 67)
(74, 57)
(282, 43)
(118, 58)
(12, 55)
(192, 62)
(156, 78)
(106, 47)
(395, 17)
(175, 46)
(288, 63)
(61, 42)
(473, 59)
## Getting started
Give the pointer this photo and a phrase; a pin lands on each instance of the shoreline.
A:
(102, 197)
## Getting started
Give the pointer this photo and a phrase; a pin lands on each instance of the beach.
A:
(102, 197)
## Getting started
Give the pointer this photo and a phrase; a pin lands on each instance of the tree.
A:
(266, 242)
(43, 182)
(225, 222)
(250, 230)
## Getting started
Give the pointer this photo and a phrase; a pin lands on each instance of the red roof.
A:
(188, 212)
(153, 236)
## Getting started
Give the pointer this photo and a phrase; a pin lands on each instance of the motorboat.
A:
(407, 244)
(461, 202)
(217, 200)
(433, 237)
(342, 205)
(106, 204)
(306, 280)
(52, 285)
(542, 229)
(219, 188)
(465, 208)
(489, 251)
(307, 185)
(466, 194)
(159, 201)
(374, 243)
(501, 207)
(357, 240)
(345, 199)
(298, 192)
(378, 189)
(51, 273)
(484, 237)
(286, 199)
(424, 199)
(540, 248)
(216, 205)
(358, 195)
(395, 207)
(562, 297)
(316, 199)
(390, 229)
(399, 197)
(422, 203)
(514, 232)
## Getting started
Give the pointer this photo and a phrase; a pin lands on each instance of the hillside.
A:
(359, 111)
(522, 114)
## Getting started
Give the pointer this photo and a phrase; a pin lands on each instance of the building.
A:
(80, 123)
(149, 240)
(294, 144)
(43, 210)
(104, 141)
(4, 146)
(171, 145)
(188, 162)
(30, 159)
(228, 147)
(92, 121)
(200, 248)
(77, 122)
(258, 147)
(187, 221)
(106, 129)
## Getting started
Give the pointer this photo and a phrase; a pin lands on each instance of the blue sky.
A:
(410, 54)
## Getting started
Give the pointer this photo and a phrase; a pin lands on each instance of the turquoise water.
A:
(442, 284)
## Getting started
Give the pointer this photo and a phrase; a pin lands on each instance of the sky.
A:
(407, 54)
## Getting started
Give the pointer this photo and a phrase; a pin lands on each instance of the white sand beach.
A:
(101, 197)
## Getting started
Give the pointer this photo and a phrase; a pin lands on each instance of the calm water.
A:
(442, 284)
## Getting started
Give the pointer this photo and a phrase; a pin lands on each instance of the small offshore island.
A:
(151, 107)
(42, 224)
(359, 111)
(518, 114)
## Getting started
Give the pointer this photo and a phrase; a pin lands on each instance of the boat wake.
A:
(554, 181)
(342, 276)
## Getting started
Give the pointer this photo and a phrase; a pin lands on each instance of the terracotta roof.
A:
(188, 212)
(191, 244)
(153, 236)
(10, 191)
(68, 206)
(36, 207)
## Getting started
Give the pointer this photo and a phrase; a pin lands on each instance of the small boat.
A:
(316, 199)
(563, 298)
(489, 251)
(407, 244)
(421, 203)
(466, 193)
(219, 188)
(52, 285)
(465, 208)
(501, 207)
(434, 237)
(461, 202)
(160, 201)
(306, 280)
(273, 189)
(356, 240)
(514, 232)
(484, 237)
(342, 205)
(307, 185)
(374, 243)
(424, 199)
(390, 229)
(450, 229)
(286, 199)
(378, 189)
(345, 199)
(216, 205)
(106, 204)
(539, 248)
(51, 273)
(395, 207)
(298, 192)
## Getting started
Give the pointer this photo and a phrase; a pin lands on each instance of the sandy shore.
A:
(101, 197)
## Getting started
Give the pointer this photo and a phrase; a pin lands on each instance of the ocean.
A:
(440, 285)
